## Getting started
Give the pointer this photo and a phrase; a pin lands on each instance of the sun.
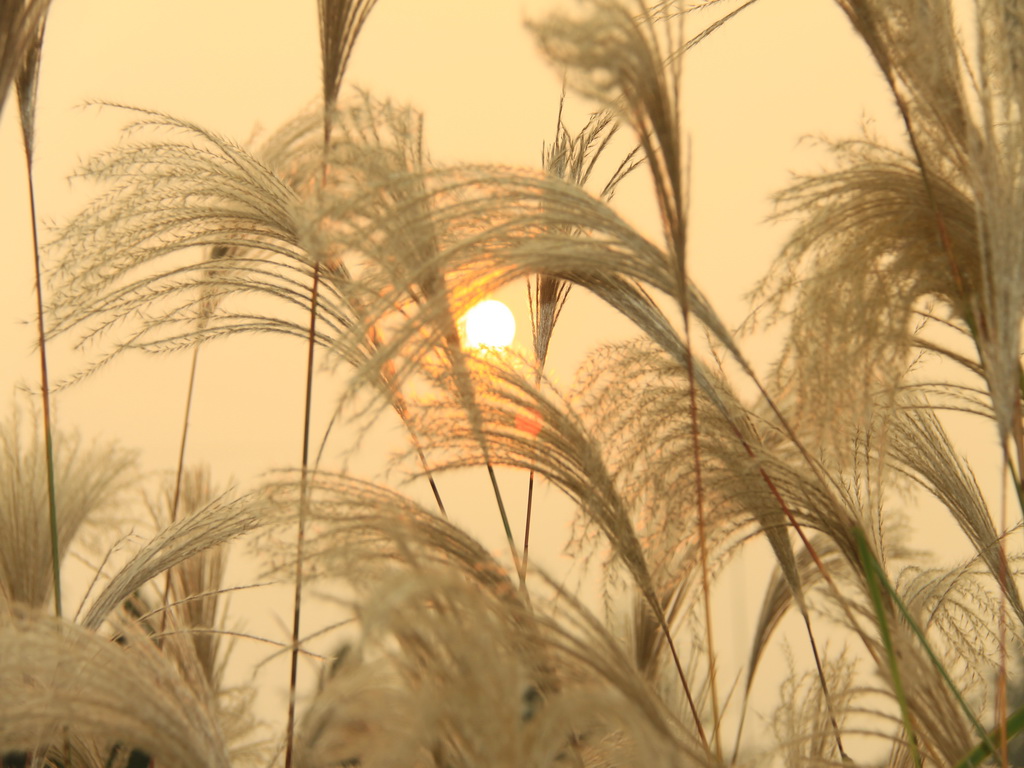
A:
(489, 324)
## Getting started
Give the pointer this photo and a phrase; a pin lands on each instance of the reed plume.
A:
(69, 683)
(20, 35)
(91, 479)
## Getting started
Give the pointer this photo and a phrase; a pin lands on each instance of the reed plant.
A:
(900, 290)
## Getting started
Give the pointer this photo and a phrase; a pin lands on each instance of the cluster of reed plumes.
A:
(902, 289)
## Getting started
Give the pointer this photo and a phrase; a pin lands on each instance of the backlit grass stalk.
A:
(27, 86)
(207, 307)
(546, 301)
(184, 434)
(1001, 703)
(785, 508)
(401, 407)
(516, 559)
(658, 125)
(877, 572)
(979, 311)
(340, 22)
(890, 650)
(634, 43)
(301, 527)
(45, 383)
(571, 159)
(300, 533)
(179, 473)
(656, 117)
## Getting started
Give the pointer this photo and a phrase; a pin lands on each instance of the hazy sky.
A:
(781, 71)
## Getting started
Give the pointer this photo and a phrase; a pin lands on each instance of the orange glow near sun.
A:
(489, 324)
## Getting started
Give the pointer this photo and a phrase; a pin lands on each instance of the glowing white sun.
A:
(489, 324)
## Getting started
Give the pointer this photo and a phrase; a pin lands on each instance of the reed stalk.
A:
(27, 86)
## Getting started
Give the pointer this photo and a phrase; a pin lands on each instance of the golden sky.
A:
(782, 70)
(779, 72)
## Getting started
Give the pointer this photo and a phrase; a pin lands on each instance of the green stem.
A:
(871, 573)
(1014, 724)
(919, 634)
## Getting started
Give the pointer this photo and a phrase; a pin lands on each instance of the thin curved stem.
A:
(45, 383)
(301, 532)
(702, 537)
(184, 435)
(179, 474)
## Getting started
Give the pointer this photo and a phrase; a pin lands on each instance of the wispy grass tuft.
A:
(62, 679)
(91, 479)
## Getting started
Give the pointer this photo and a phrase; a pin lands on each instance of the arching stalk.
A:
(51, 490)
(27, 85)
